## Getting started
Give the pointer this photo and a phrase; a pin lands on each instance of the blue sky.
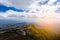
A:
(4, 8)
(58, 0)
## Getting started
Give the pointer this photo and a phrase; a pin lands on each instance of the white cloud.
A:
(20, 4)
(5, 2)
(35, 11)
(47, 11)
(23, 4)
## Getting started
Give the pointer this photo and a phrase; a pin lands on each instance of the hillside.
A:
(28, 32)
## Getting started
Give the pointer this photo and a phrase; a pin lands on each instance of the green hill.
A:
(28, 32)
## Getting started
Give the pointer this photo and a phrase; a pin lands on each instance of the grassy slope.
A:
(32, 33)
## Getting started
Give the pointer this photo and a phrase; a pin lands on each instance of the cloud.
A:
(5, 2)
(11, 13)
(20, 4)
(23, 4)
(58, 10)
(36, 12)
(46, 11)
(20, 16)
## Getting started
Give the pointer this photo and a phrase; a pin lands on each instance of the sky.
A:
(30, 10)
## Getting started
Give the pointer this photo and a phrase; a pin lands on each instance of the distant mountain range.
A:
(12, 25)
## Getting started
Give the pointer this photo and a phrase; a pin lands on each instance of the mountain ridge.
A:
(28, 32)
